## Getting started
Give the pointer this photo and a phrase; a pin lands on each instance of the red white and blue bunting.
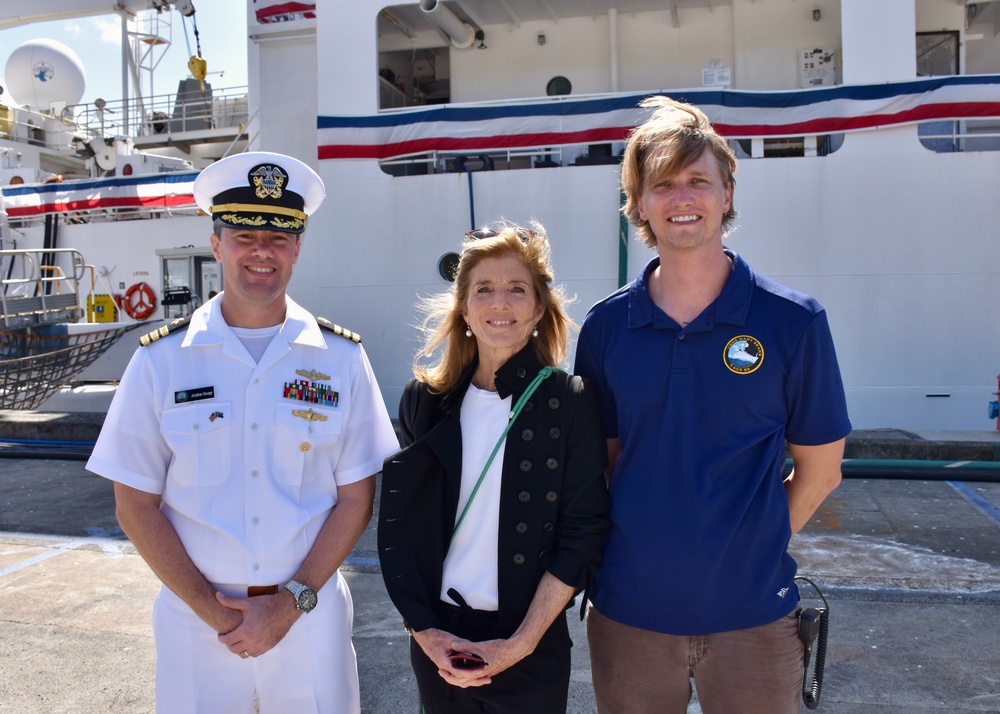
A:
(735, 114)
(555, 122)
(148, 191)
(279, 10)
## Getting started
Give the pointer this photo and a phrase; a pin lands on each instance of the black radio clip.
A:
(814, 625)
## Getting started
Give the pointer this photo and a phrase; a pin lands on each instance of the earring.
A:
(534, 333)
(468, 331)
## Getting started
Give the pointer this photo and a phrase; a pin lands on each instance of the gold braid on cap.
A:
(255, 207)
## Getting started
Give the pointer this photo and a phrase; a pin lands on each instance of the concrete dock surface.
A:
(910, 566)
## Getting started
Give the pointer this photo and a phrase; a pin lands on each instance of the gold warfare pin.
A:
(308, 415)
(311, 374)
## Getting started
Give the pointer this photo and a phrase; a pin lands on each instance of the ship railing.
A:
(67, 128)
(542, 156)
(939, 137)
(35, 290)
(107, 215)
(51, 131)
(960, 134)
(522, 157)
(584, 153)
(187, 110)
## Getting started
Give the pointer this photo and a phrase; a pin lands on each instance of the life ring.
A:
(141, 308)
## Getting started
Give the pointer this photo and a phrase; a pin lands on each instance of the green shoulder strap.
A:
(542, 375)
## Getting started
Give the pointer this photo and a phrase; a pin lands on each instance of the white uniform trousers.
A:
(313, 670)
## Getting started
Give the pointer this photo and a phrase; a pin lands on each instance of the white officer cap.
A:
(259, 190)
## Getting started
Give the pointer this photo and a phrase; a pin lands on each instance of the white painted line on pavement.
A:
(54, 545)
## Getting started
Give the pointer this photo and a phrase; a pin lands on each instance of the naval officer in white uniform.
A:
(243, 443)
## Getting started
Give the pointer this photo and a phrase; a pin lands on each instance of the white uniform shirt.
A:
(247, 482)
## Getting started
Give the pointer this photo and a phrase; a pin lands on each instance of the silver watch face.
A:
(306, 600)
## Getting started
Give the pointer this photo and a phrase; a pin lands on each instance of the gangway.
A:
(34, 292)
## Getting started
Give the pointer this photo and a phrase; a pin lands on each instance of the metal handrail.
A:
(112, 214)
(160, 113)
(227, 107)
(33, 272)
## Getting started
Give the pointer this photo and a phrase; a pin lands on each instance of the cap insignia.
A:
(268, 180)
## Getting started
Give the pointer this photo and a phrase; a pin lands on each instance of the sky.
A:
(97, 42)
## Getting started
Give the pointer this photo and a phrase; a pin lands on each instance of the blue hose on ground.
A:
(917, 470)
(914, 470)
(902, 469)
(43, 449)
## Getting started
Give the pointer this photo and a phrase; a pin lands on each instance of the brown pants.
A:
(754, 671)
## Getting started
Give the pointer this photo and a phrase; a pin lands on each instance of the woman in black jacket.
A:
(493, 515)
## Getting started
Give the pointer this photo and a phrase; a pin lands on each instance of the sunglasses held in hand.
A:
(466, 660)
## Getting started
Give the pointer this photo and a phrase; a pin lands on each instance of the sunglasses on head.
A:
(478, 234)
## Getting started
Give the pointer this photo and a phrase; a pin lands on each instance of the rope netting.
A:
(34, 367)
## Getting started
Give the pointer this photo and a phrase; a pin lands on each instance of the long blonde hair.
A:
(444, 325)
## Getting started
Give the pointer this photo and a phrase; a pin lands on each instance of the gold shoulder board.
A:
(168, 329)
(338, 330)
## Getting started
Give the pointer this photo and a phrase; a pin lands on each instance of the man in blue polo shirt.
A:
(705, 369)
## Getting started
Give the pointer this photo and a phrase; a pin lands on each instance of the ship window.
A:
(783, 147)
(448, 266)
(190, 277)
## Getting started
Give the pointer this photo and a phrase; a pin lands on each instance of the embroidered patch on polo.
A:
(743, 354)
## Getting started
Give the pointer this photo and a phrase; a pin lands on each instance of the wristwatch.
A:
(305, 596)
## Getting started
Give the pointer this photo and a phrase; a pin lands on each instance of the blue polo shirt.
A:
(700, 523)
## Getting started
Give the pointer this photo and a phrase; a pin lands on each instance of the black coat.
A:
(553, 499)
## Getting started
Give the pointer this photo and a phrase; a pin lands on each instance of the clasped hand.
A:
(499, 655)
(266, 619)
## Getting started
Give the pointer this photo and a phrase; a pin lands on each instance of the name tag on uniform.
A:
(194, 395)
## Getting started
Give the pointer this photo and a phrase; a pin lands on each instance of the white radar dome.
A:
(42, 72)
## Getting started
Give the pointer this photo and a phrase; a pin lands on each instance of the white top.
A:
(256, 339)
(471, 564)
(246, 481)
